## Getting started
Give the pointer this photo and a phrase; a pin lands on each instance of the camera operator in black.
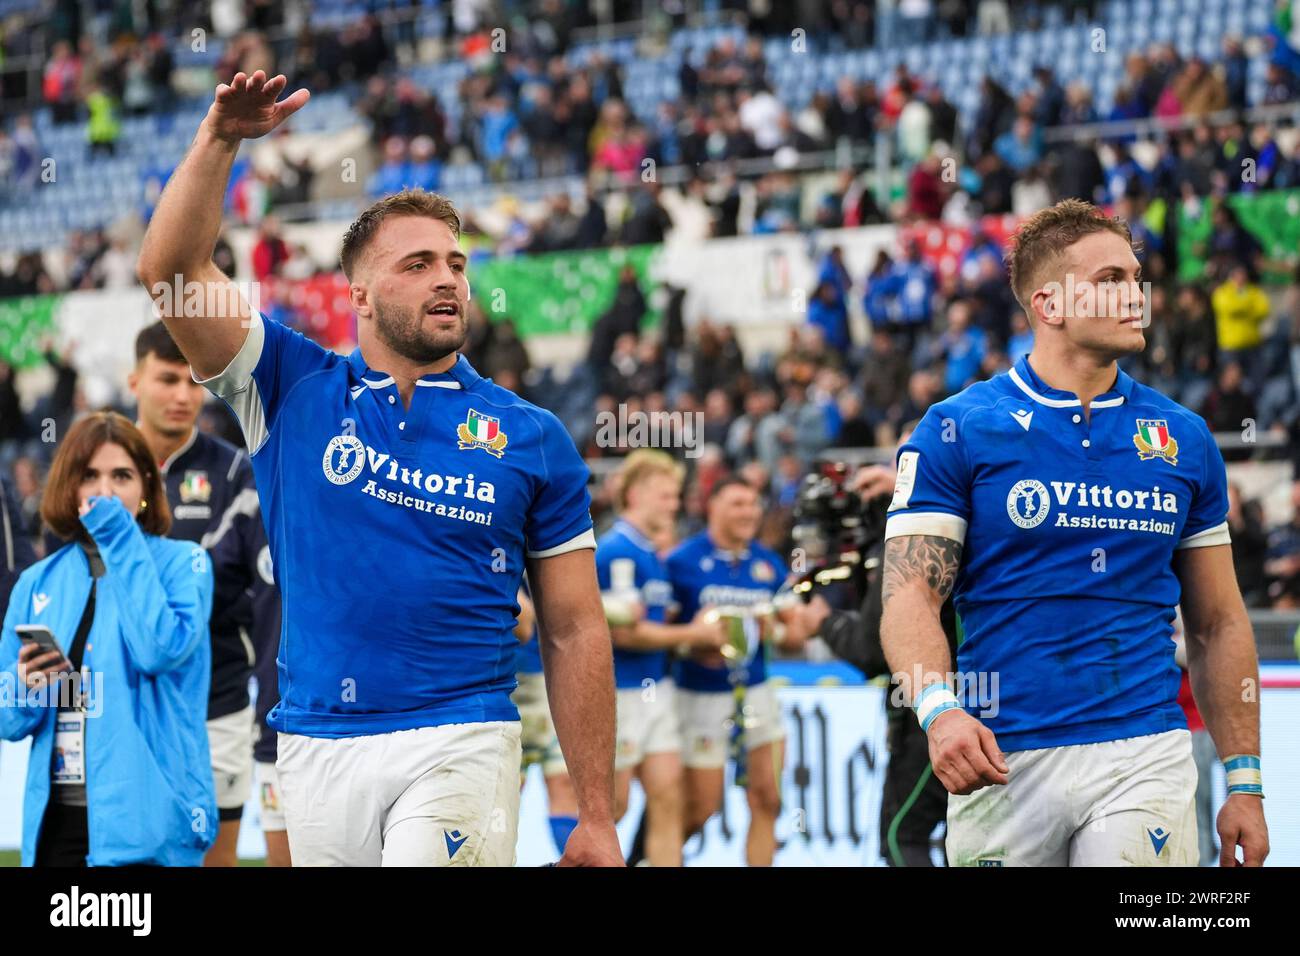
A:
(914, 800)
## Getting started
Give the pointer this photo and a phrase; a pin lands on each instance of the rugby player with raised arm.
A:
(403, 496)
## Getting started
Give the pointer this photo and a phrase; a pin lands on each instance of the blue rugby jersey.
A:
(704, 575)
(623, 542)
(1066, 589)
(528, 658)
(398, 536)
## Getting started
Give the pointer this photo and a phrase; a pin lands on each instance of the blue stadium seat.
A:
(103, 187)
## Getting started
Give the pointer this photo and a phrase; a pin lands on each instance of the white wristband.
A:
(933, 700)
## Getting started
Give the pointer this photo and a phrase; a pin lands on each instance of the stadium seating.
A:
(101, 190)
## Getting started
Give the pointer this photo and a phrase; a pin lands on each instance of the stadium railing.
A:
(1157, 127)
(1276, 634)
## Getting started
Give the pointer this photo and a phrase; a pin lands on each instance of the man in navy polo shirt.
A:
(1069, 509)
(403, 495)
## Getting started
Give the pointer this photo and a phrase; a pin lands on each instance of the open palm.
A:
(246, 107)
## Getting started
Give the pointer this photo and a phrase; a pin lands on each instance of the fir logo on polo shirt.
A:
(196, 486)
(1154, 441)
(482, 431)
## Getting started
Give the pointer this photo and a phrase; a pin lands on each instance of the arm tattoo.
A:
(924, 557)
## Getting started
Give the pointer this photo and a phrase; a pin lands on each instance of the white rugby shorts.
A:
(230, 747)
(707, 721)
(433, 796)
(1128, 802)
(647, 723)
(540, 743)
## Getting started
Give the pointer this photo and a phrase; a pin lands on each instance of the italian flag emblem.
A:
(482, 431)
(1154, 441)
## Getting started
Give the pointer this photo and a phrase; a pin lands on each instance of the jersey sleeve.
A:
(932, 490)
(1207, 524)
(684, 594)
(559, 519)
(604, 558)
(271, 361)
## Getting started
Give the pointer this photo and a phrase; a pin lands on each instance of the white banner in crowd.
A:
(831, 787)
(100, 328)
(763, 279)
(747, 280)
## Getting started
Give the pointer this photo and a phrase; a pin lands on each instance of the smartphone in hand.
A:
(41, 636)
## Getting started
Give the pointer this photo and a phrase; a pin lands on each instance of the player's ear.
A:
(359, 298)
(1045, 304)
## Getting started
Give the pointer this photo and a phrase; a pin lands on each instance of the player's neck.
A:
(726, 542)
(639, 522)
(1080, 373)
(161, 446)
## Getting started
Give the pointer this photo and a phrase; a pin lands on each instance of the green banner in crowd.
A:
(23, 323)
(544, 294)
(559, 291)
(1271, 217)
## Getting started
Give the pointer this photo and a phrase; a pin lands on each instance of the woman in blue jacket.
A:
(118, 772)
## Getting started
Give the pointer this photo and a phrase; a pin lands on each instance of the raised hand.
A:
(246, 108)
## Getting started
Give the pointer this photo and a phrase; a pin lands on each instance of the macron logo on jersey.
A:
(454, 841)
(1159, 836)
(40, 602)
(1024, 417)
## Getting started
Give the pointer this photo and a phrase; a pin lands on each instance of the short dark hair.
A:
(731, 481)
(156, 339)
(409, 202)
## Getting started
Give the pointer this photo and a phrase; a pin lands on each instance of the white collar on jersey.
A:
(1060, 402)
(385, 382)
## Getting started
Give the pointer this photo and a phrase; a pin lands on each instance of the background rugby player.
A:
(649, 740)
(725, 566)
(213, 501)
(540, 744)
(403, 495)
(1067, 508)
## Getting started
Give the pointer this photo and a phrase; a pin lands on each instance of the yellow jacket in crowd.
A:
(1239, 311)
